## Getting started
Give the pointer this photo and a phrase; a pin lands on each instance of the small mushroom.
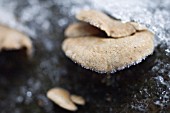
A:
(81, 29)
(11, 39)
(77, 99)
(108, 54)
(62, 98)
(112, 27)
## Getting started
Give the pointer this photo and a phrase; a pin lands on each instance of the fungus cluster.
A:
(103, 44)
(64, 99)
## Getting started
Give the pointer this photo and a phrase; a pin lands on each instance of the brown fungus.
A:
(112, 27)
(108, 54)
(62, 98)
(11, 39)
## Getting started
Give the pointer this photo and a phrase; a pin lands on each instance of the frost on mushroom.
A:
(112, 27)
(108, 54)
(11, 39)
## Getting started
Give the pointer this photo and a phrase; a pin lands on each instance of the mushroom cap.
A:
(77, 99)
(81, 29)
(109, 54)
(11, 39)
(112, 27)
(62, 98)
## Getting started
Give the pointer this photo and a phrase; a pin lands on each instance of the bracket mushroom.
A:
(130, 43)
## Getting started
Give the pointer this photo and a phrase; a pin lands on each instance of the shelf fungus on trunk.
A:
(124, 44)
(11, 39)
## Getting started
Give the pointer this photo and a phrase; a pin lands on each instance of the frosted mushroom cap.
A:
(109, 54)
(11, 39)
(112, 27)
(125, 43)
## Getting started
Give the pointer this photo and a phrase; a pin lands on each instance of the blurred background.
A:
(24, 83)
